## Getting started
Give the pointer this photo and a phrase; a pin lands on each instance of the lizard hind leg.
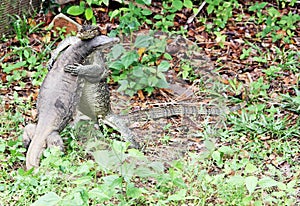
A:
(29, 131)
(55, 140)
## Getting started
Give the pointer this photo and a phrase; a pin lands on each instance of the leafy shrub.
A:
(143, 67)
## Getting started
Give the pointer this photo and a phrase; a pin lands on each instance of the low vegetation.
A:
(253, 159)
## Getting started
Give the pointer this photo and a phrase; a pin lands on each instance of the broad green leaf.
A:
(114, 14)
(75, 10)
(217, 157)
(98, 194)
(89, 2)
(177, 4)
(132, 191)
(210, 146)
(144, 171)
(26, 53)
(210, 8)
(168, 56)
(250, 168)
(267, 182)
(136, 153)
(163, 66)
(106, 2)
(226, 150)
(49, 199)
(89, 13)
(106, 159)
(117, 65)
(143, 41)
(236, 180)
(129, 58)
(82, 180)
(138, 72)
(152, 81)
(146, 12)
(188, 4)
(147, 2)
(251, 183)
(162, 83)
(117, 50)
(180, 195)
(157, 166)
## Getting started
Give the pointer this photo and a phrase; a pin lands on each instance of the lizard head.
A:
(88, 32)
(101, 42)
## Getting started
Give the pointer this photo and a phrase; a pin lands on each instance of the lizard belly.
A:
(94, 101)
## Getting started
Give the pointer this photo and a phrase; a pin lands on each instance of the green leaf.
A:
(106, 2)
(162, 83)
(147, 2)
(210, 8)
(138, 72)
(163, 66)
(152, 81)
(143, 41)
(177, 4)
(75, 10)
(89, 13)
(168, 56)
(89, 2)
(250, 168)
(10, 67)
(117, 50)
(117, 65)
(114, 14)
(82, 180)
(251, 183)
(236, 180)
(123, 85)
(26, 53)
(226, 150)
(146, 12)
(129, 58)
(132, 191)
(217, 157)
(267, 182)
(188, 4)
(98, 194)
(180, 195)
(49, 199)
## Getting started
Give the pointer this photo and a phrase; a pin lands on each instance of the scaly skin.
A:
(59, 95)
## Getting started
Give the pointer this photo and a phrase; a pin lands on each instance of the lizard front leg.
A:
(92, 73)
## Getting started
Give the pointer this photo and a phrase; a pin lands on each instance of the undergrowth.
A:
(253, 160)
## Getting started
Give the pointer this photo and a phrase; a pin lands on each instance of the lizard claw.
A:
(73, 69)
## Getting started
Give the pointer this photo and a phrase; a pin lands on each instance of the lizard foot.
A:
(55, 140)
(73, 69)
(29, 131)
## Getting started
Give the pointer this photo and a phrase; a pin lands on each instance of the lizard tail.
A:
(180, 109)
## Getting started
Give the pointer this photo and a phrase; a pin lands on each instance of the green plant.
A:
(130, 18)
(165, 20)
(85, 7)
(279, 27)
(292, 103)
(222, 10)
(141, 68)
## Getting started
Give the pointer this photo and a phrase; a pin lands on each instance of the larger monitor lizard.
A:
(60, 94)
